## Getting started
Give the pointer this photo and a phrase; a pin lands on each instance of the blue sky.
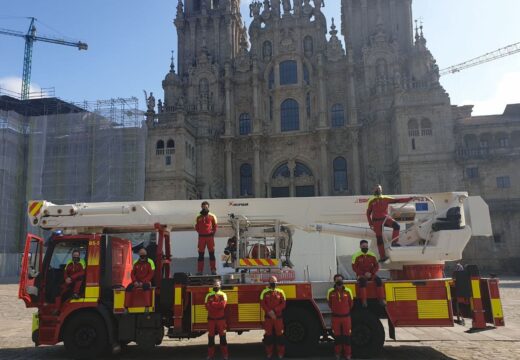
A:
(130, 43)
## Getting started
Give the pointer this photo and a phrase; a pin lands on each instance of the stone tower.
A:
(407, 125)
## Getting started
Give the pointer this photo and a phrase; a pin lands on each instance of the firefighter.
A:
(365, 265)
(216, 301)
(74, 275)
(378, 218)
(340, 301)
(142, 272)
(272, 300)
(206, 226)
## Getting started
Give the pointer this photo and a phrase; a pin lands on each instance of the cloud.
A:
(12, 85)
(507, 92)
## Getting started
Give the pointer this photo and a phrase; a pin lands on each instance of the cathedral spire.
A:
(172, 65)
(416, 32)
(333, 31)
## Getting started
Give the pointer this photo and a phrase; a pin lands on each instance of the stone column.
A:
(256, 168)
(324, 162)
(291, 165)
(356, 169)
(256, 103)
(322, 107)
(228, 123)
(229, 168)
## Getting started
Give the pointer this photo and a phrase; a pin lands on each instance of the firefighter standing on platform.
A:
(216, 301)
(206, 226)
(378, 218)
(272, 300)
(340, 301)
(142, 272)
(365, 265)
(74, 275)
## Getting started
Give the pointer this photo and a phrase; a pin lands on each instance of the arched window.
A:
(413, 128)
(340, 174)
(244, 124)
(159, 148)
(267, 51)
(303, 188)
(288, 72)
(502, 140)
(301, 170)
(271, 79)
(308, 48)
(246, 180)
(306, 77)
(282, 171)
(426, 127)
(170, 146)
(337, 115)
(290, 115)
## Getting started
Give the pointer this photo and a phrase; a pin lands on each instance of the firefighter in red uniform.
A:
(272, 300)
(74, 275)
(378, 218)
(365, 265)
(216, 301)
(142, 272)
(206, 226)
(340, 301)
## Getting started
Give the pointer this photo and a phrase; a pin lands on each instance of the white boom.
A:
(425, 240)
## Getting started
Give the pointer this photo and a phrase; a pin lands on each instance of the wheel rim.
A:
(85, 336)
(295, 332)
(361, 335)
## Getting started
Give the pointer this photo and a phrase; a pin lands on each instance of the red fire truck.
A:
(105, 316)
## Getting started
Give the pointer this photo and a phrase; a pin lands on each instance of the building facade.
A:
(283, 108)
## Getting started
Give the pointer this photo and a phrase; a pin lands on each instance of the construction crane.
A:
(30, 38)
(490, 56)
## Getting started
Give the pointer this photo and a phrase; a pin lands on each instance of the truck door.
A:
(30, 274)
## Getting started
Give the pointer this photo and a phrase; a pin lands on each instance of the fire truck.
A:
(436, 228)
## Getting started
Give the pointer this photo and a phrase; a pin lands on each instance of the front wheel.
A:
(85, 336)
(368, 335)
(302, 331)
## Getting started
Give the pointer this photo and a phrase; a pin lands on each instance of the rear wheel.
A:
(368, 335)
(302, 331)
(85, 336)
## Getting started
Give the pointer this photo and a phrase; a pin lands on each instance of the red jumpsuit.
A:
(377, 215)
(273, 300)
(341, 303)
(216, 305)
(75, 271)
(206, 226)
(142, 272)
(361, 264)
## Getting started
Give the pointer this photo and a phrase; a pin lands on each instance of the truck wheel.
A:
(368, 335)
(85, 336)
(302, 331)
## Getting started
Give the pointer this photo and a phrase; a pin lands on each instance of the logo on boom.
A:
(232, 203)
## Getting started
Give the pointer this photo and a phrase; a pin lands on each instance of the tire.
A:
(302, 331)
(85, 336)
(368, 335)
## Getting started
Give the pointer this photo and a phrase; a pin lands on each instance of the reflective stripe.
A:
(220, 292)
(344, 287)
(475, 288)
(35, 322)
(361, 253)
(249, 312)
(379, 197)
(432, 309)
(150, 261)
(92, 292)
(496, 308)
(258, 262)
(178, 295)
(266, 290)
(81, 262)
(400, 291)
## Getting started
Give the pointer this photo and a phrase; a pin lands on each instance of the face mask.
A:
(364, 250)
(75, 259)
(142, 257)
(204, 211)
(377, 192)
(339, 283)
(216, 289)
(272, 285)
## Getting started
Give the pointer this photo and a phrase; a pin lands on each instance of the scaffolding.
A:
(66, 153)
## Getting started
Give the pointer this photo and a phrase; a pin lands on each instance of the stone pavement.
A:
(411, 344)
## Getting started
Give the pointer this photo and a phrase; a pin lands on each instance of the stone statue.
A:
(286, 6)
(150, 101)
(254, 9)
(318, 4)
(159, 106)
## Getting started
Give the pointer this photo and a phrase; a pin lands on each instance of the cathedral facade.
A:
(283, 109)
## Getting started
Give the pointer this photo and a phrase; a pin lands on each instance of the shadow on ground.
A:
(237, 351)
